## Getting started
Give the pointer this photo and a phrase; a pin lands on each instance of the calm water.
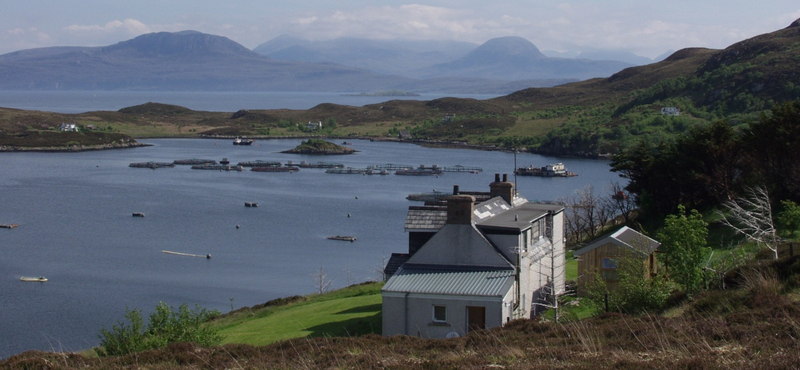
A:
(74, 212)
(86, 101)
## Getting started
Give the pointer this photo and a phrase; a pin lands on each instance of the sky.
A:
(647, 28)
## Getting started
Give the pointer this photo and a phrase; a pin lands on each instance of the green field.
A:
(352, 311)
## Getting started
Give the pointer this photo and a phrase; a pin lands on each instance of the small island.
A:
(319, 146)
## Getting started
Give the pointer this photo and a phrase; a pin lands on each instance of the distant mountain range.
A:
(191, 60)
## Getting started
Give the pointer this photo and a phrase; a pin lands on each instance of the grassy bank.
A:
(352, 311)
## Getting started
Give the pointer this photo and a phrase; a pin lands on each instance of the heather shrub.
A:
(164, 327)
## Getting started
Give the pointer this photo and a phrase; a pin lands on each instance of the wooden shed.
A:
(602, 256)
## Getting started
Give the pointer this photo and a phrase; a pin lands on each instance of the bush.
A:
(164, 327)
(634, 292)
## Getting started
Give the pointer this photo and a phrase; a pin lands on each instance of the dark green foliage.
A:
(683, 241)
(635, 292)
(164, 327)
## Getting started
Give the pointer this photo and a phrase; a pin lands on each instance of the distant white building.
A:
(68, 127)
(670, 111)
(314, 125)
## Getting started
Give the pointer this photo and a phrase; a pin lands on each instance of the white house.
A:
(314, 125)
(477, 261)
(670, 111)
(68, 127)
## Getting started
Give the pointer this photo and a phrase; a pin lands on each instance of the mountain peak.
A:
(183, 43)
(510, 45)
(796, 23)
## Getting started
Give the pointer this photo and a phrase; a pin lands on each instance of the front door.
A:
(476, 318)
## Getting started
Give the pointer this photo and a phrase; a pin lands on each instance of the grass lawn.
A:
(348, 312)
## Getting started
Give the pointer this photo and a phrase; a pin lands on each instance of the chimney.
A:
(455, 189)
(460, 209)
(503, 189)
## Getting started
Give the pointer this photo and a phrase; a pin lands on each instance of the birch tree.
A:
(751, 216)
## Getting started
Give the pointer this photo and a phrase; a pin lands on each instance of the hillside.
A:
(589, 118)
(753, 324)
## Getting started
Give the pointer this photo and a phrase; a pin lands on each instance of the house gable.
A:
(459, 245)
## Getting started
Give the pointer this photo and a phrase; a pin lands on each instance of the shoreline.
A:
(72, 149)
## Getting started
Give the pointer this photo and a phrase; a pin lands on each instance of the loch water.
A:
(76, 228)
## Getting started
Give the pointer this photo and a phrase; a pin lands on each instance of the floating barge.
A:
(551, 170)
(428, 197)
(218, 167)
(305, 164)
(347, 171)
(345, 238)
(422, 170)
(390, 167)
(260, 163)
(152, 165)
(275, 169)
(194, 161)
(8, 226)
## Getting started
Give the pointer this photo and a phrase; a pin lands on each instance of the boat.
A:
(8, 226)
(138, 214)
(240, 141)
(225, 161)
(343, 238)
(550, 170)
(250, 204)
(40, 279)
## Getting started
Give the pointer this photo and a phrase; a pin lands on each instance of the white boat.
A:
(40, 279)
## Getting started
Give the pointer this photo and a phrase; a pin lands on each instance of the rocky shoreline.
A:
(73, 148)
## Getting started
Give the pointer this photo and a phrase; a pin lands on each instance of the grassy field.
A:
(351, 311)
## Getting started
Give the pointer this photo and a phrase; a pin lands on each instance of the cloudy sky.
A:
(647, 28)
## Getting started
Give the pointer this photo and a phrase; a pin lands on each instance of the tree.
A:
(321, 281)
(684, 240)
(634, 293)
(751, 216)
(789, 218)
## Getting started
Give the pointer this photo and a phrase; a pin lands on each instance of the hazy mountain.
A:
(401, 57)
(195, 61)
(515, 58)
(617, 55)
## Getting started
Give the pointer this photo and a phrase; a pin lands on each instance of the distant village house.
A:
(404, 135)
(670, 111)
(314, 125)
(475, 261)
(68, 127)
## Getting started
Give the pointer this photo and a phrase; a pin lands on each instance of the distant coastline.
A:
(385, 93)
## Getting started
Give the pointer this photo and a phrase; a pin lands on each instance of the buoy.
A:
(348, 215)
(208, 256)
(356, 196)
(237, 226)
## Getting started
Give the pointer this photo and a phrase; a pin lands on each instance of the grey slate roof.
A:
(433, 280)
(429, 218)
(519, 217)
(624, 237)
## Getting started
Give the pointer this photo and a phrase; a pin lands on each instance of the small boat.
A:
(138, 214)
(8, 226)
(40, 279)
(550, 170)
(343, 238)
(250, 204)
(240, 141)
(225, 161)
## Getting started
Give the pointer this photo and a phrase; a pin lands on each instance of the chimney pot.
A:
(455, 189)
(497, 177)
(505, 177)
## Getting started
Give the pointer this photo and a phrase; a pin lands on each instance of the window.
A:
(439, 313)
(609, 270)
